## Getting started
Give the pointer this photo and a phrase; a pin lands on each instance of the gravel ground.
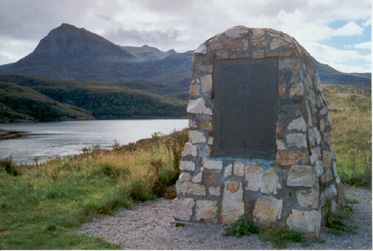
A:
(147, 226)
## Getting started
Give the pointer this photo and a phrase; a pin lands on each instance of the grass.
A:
(335, 222)
(41, 206)
(351, 114)
(279, 237)
(241, 227)
(351, 200)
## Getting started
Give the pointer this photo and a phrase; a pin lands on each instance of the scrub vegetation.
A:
(36, 99)
(350, 109)
(40, 205)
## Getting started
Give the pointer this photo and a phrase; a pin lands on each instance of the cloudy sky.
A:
(335, 32)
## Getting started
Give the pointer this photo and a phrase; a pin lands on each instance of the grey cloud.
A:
(34, 19)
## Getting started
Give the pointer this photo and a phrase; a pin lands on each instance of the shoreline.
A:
(88, 119)
(5, 135)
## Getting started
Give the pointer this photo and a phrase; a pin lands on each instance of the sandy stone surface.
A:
(147, 226)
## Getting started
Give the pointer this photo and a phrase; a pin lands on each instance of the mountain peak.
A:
(171, 52)
(64, 25)
(65, 48)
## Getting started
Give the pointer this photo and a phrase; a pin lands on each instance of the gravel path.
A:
(147, 226)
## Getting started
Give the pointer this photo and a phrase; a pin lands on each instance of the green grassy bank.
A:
(350, 109)
(40, 205)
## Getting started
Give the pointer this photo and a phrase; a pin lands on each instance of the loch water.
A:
(51, 139)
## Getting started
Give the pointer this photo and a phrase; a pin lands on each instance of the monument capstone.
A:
(259, 135)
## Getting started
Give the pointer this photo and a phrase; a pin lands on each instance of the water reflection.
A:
(65, 138)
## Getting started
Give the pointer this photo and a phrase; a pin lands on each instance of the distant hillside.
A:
(329, 75)
(147, 53)
(103, 101)
(20, 103)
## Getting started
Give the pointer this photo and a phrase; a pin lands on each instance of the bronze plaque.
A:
(245, 108)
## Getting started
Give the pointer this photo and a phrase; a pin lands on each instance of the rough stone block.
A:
(206, 210)
(238, 169)
(210, 141)
(267, 210)
(222, 55)
(187, 166)
(190, 188)
(315, 155)
(328, 176)
(228, 171)
(206, 126)
(206, 83)
(184, 176)
(258, 54)
(232, 203)
(311, 137)
(236, 32)
(306, 222)
(192, 123)
(280, 145)
(258, 42)
(213, 164)
(201, 49)
(183, 209)
(190, 149)
(231, 44)
(196, 137)
(197, 178)
(298, 124)
(317, 135)
(216, 46)
(327, 159)
(322, 125)
(308, 198)
(257, 32)
(269, 182)
(198, 107)
(253, 175)
(330, 192)
(276, 43)
(296, 139)
(324, 111)
(194, 90)
(291, 157)
(282, 90)
(301, 176)
(208, 150)
(286, 53)
(211, 178)
(296, 90)
(215, 191)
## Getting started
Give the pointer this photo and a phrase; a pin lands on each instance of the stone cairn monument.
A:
(259, 135)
